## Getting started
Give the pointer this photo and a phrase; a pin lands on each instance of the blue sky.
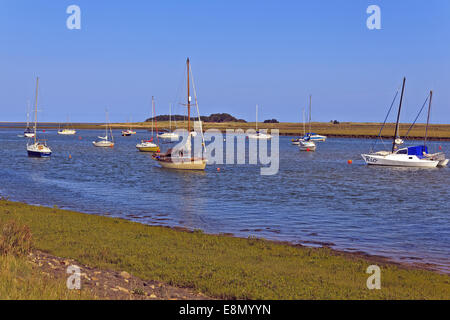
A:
(271, 53)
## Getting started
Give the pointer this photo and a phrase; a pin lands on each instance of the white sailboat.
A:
(38, 148)
(28, 133)
(169, 135)
(105, 141)
(306, 144)
(149, 145)
(182, 159)
(67, 131)
(259, 135)
(416, 156)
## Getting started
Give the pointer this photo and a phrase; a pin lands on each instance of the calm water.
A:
(315, 198)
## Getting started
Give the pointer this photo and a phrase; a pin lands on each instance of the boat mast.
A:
(188, 97)
(170, 117)
(35, 108)
(28, 114)
(153, 113)
(256, 118)
(398, 116)
(304, 126)
(310, 97)
(428, 118)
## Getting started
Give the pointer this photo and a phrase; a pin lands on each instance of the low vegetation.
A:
(218, 266)
(19, 279)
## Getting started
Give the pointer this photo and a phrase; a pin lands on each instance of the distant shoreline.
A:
(436, 132)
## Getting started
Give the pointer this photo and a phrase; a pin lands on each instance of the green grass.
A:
(219, 266)
(19, 280)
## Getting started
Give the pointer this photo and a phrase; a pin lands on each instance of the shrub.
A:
(15, 239)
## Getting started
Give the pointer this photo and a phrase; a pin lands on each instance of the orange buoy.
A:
(218, 169)
(70, 156)
(349, 161)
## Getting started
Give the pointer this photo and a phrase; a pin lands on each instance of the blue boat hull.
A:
(36, 154)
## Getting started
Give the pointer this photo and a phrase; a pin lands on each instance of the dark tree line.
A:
(216, 117)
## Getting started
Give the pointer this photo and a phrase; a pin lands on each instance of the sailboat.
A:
(416, 156)
(148, 145)
(259, 135)
(38, 148)
(104, 141)
(67, 131)
(182, 159)
(306, 144)
(169, 135)
(311, 135)
(128, 132)
(28, 133)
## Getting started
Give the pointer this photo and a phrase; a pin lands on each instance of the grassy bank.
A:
(19, 280)
(219, 266)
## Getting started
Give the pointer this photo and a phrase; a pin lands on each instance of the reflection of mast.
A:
(428, 118)
(398, 116)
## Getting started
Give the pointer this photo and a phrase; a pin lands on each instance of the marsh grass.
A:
(218, 266)
(19, 278)
(15, 239)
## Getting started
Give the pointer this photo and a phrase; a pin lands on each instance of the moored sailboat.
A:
(105, 141)
(182, 158)
(28, 133)
(38, 148)
(415, 156)
(259, 135)
(149, 145)
(169, 135)
(306, 144)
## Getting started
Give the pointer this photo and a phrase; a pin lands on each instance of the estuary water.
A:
(316, 198)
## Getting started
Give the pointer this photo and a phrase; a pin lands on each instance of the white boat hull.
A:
(307, 146)
(67, 132)
(104, 144)
(169, 136)
(399, 160)
(261, 136)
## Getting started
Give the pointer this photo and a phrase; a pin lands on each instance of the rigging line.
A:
(417, 117)
(385, 119)
(198, 111)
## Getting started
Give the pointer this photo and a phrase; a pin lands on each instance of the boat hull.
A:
(102, 144)
(37, 154)
(67, 133)
(183, 165)
(260, 136)
(148, 149)
(393, 160)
